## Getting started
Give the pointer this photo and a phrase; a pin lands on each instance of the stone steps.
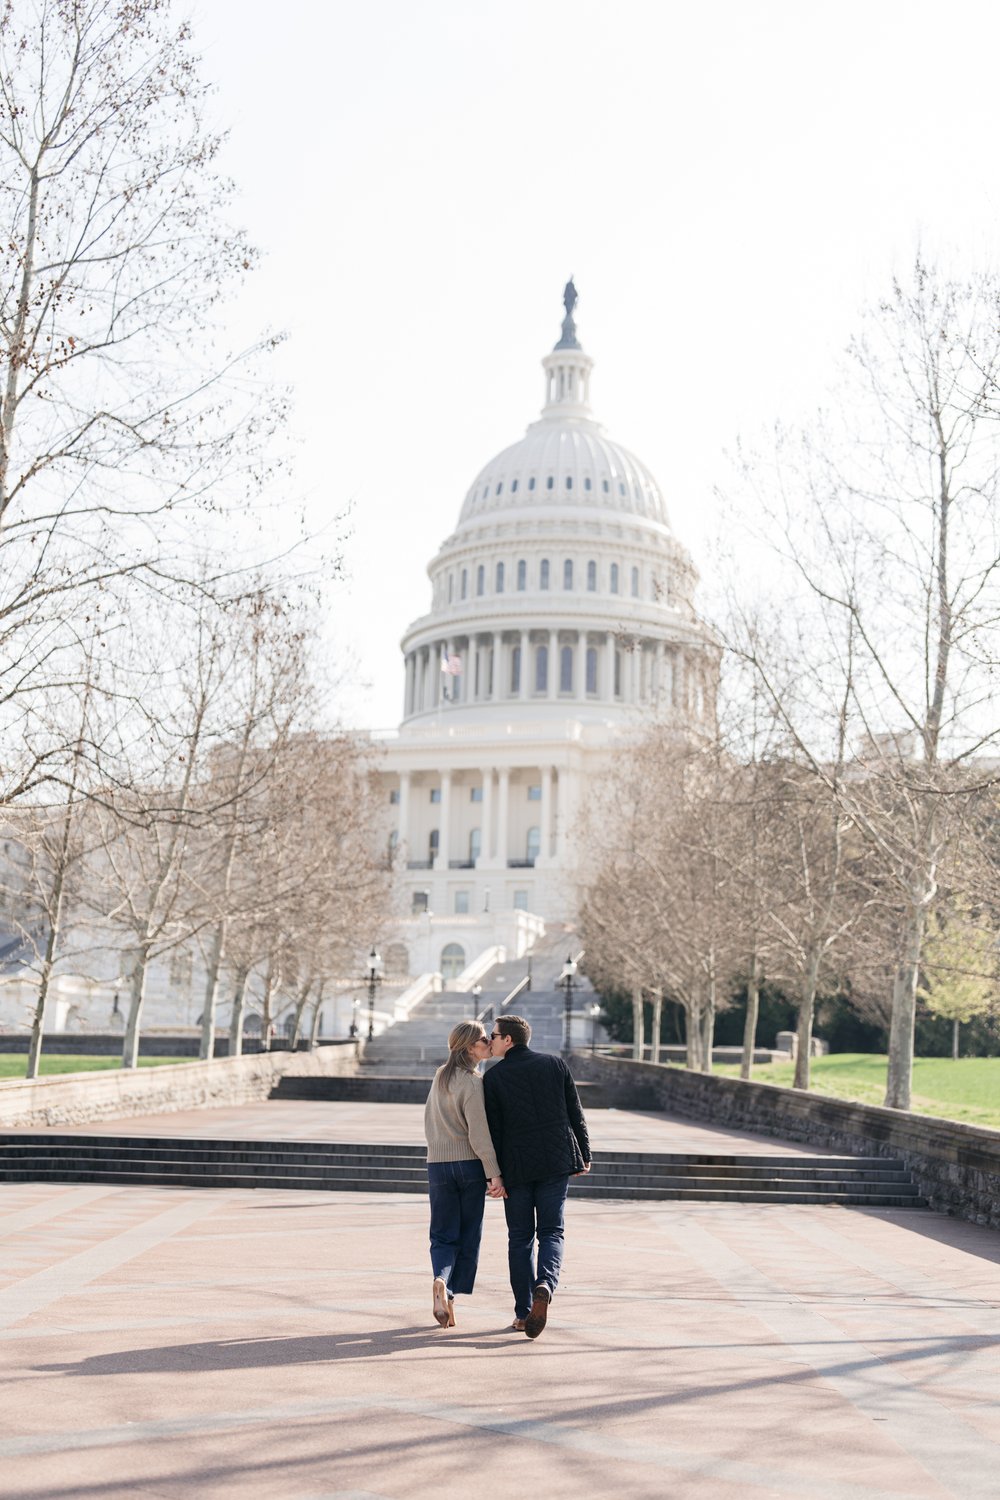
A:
(180, 1161)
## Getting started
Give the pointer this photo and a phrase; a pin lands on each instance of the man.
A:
(541, 1141)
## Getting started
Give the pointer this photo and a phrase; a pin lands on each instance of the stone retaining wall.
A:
(76, 1098)
(956, 1167)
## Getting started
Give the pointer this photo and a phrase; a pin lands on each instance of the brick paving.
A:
(174, 1343)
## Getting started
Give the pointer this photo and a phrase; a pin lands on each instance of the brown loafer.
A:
(451, 1312)
(535, 1321)
(440, 1301)
(518, 1325)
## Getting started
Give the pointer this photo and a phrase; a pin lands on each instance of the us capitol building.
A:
(562, 618)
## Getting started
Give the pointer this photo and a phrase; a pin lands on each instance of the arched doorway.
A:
(452, 960)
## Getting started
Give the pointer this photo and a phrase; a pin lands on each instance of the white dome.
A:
(568, 462)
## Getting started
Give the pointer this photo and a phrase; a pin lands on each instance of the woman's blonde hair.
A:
(462, 1037)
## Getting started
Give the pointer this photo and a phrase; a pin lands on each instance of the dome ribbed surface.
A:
(561, 457)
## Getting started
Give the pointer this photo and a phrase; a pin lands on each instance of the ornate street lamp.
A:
(374, 964)
(566, 979)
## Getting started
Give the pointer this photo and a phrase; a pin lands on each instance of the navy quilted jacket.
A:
(533, 1111)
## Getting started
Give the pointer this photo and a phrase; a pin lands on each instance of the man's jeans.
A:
(535, 1210)
(458, 1198)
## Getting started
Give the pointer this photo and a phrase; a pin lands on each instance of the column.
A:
(496, 690)
(679, 679)
(486, 846)
(546, 825)
(434, 653)
(404, 813)
(553, 691)
(408, 686)
(609, 669)
(562, 812)
(524, 688)
(661, 675)
(503, 805)
(581, 666)
(444, 828)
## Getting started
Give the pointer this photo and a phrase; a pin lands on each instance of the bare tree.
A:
(885, 517)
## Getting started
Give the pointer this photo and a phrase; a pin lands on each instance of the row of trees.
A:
(841, 828)
(161, 782)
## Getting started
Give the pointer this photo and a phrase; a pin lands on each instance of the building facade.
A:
(562, 615)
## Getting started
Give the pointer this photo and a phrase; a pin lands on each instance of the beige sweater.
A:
(455, 1122)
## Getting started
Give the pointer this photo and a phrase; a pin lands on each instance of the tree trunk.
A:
(137, 994)
(638, 1025)
(707, 1035)
(270, 985)
(804, 1027)
(44, 978)
(899, 1081)
(654, 1047)
(316, 1017)
(954, 1039)
(300, 1006)
(750, 1024)
(206, 1047)
(695, 1037)
(236, 1017)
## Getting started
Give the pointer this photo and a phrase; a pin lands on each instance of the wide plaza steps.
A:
(872, 1182)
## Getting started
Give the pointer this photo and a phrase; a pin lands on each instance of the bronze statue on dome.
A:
(571, 296)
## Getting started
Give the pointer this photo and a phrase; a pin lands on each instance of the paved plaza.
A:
(168, 1342)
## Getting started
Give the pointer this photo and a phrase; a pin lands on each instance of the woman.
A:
(460, 1158)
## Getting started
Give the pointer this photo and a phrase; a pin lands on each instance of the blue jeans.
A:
(458, 1198)
(535, 1211)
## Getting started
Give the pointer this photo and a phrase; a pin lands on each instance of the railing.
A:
(420, 864)
(520, 864)
(487, 1016)
(461, 864)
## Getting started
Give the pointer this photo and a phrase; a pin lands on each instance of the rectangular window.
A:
(475, 794)
(461, 903)
(520, 901)
(534, 794)
(394, 797)
(420, 901)
(435, 794)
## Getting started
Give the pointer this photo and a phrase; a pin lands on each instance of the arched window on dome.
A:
(542, 669)
(569, 481)
(592, 671)
(614, 578)
(499, 578)
(515, 670)
(465, 583)
(480, 579)
(566, 669)
(500, 488)
(522, 576)
(605, 485)
(621, 487)
(635, 583)
(513, 486)
(591, 578)
(531, 482)
(543, 573)
(550, 482)
(568, 573)
(486, 493)
(586, 482)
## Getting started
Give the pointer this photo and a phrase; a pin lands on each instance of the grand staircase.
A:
(873, 1182)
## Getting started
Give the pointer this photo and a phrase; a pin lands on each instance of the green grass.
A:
(968, 1089)
(13, 1064)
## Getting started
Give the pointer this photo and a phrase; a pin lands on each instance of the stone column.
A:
(404, 810)
(609, 687)
(444, 826)
(486, 843)
(496, 688)
(524, 688)
(661, 671)
(546, 824)
(562, 812)
(503, 812)
(553, 691)
(581, 666)
(408, 686)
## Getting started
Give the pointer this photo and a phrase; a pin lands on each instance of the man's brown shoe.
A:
(518, 1325)
(535, 1321)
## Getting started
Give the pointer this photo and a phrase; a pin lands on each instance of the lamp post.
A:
(374, 964)
(595, 1011)
(566, 979)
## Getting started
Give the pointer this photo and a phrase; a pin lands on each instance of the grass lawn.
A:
(13, 1064)
(968, 1089)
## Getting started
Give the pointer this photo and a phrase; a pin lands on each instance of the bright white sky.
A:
(727, 180)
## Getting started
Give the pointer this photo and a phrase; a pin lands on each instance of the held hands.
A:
(495, 1188)
(583, 1170)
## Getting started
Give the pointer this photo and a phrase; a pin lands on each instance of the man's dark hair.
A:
(516, 1027)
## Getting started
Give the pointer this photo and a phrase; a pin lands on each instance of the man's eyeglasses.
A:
(496, 1036)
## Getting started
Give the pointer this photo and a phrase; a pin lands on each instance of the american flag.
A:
(452, 665)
